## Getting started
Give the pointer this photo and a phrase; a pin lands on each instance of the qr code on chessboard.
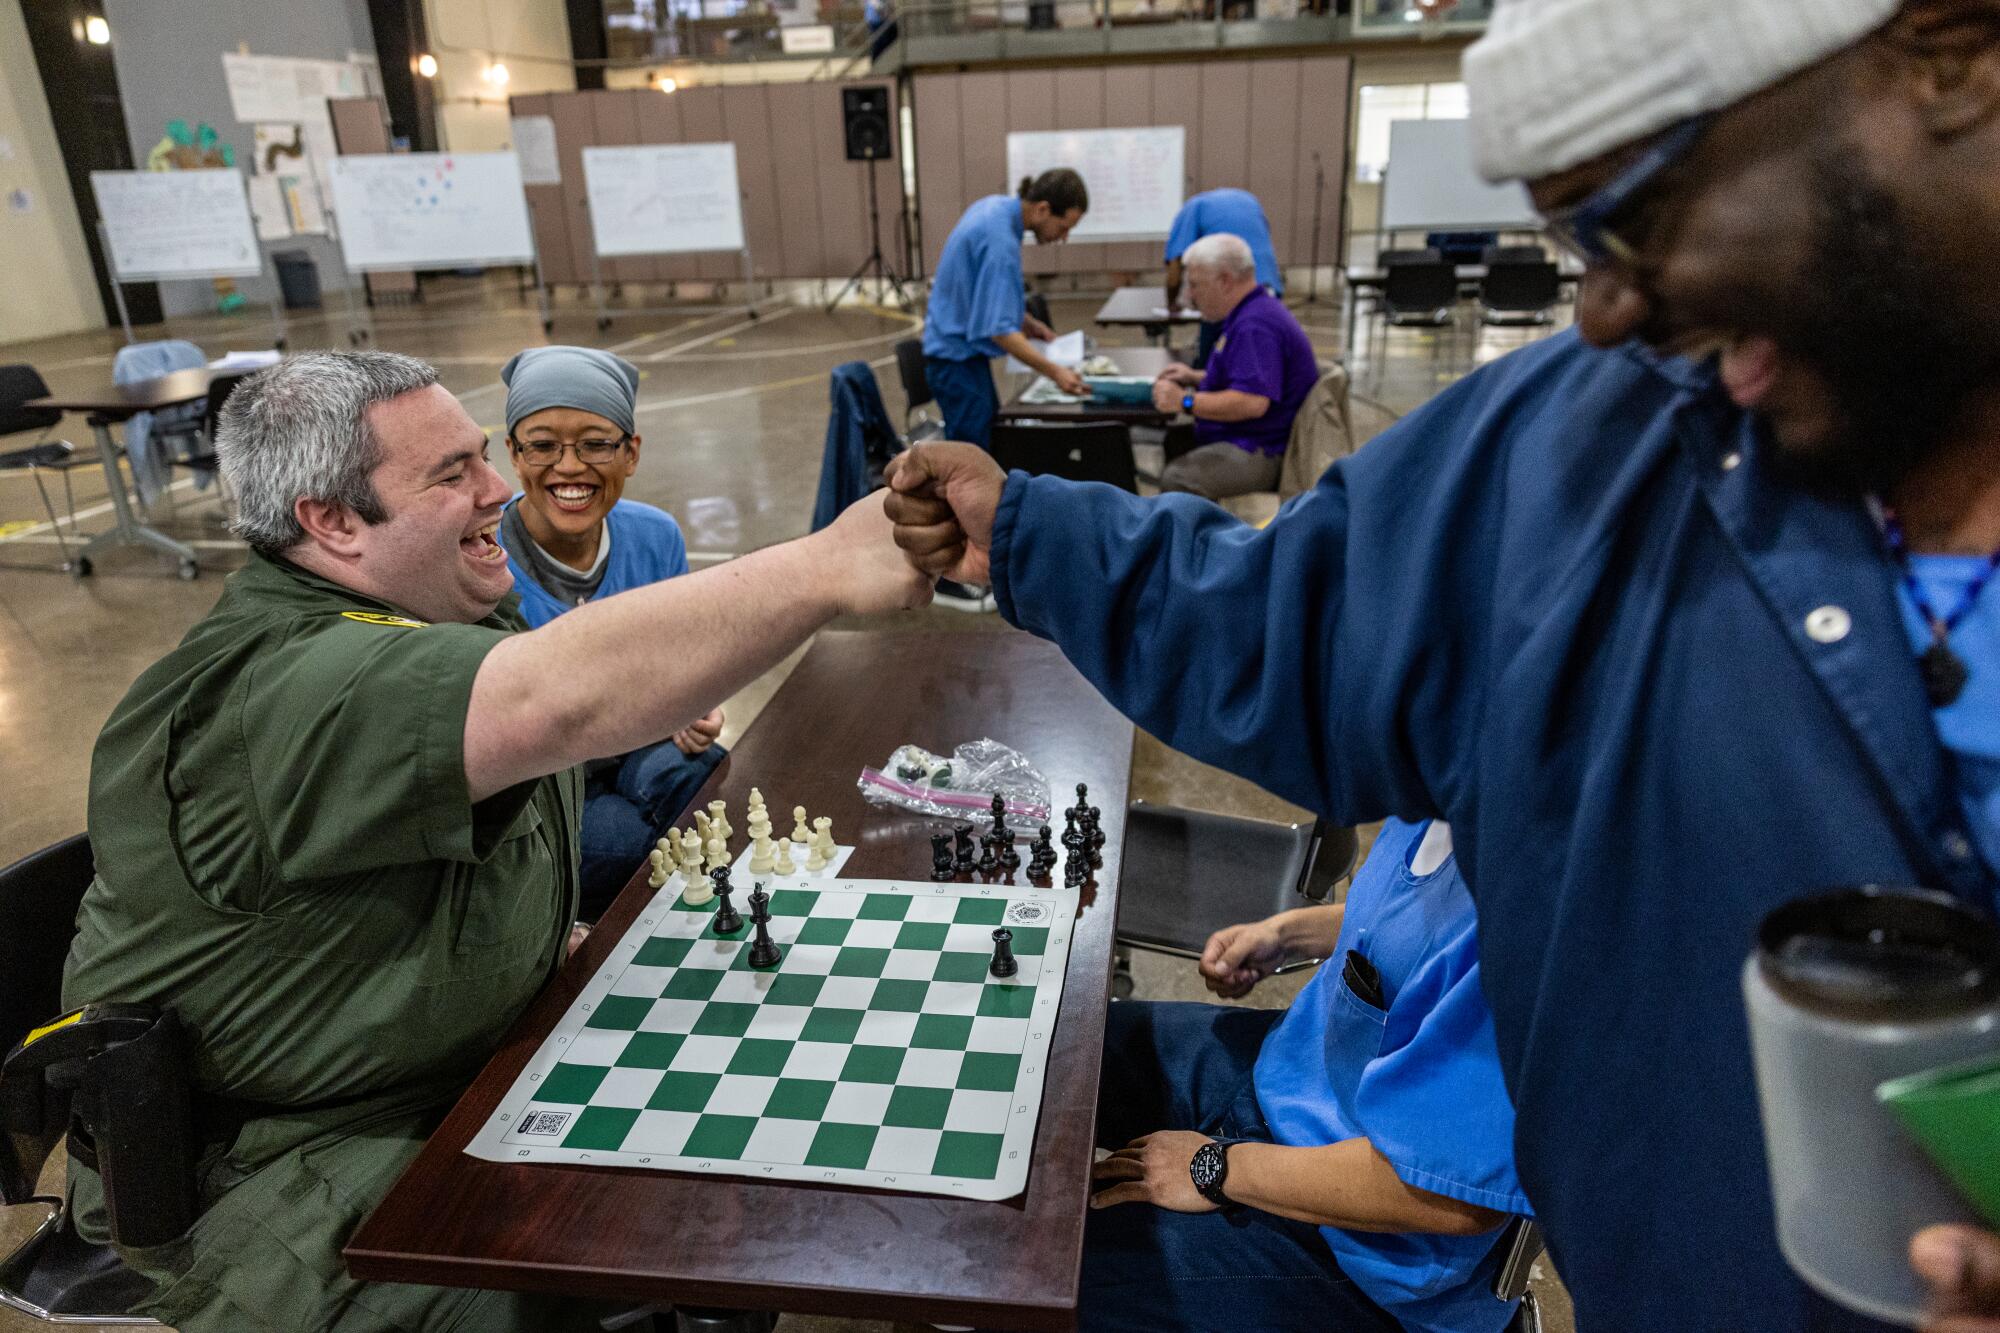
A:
(544, 1122)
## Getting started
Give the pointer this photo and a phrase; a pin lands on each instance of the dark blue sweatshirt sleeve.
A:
(1334, 656)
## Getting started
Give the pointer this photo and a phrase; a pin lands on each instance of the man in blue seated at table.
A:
(1262, 369)
(571, 539)
(1220, 212)
(1345, 1164)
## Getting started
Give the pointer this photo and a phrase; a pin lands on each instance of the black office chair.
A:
(917, 425)
(1390, 258)
(1520, 295)
(1513, 254)
(1090, 451)
(1418, 296)
(20, 384)
(201, 457)
(54, 1275)
(1520, 1244)
(1189, 873)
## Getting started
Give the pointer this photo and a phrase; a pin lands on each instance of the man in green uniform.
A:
(336, 828)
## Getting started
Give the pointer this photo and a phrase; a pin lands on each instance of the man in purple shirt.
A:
(1260, 372)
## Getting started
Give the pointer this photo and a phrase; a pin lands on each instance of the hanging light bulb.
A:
(97, 31)
(665, 84)
(496, 74)
(427, 65)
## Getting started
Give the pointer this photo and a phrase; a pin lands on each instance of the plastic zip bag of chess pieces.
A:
(697, 852)
(960, 787)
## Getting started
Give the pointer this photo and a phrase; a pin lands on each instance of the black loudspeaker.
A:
(866, 113)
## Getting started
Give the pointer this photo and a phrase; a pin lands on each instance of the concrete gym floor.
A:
(733, 413)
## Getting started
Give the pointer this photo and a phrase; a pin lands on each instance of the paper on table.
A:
(1064, 351)
(1178, 312)
(235, 361)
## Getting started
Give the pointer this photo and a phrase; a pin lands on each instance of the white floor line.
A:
(198, 543)
(707, 338)
(103, 507)
(723, 395)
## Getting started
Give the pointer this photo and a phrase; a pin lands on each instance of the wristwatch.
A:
(1187, 403)
(1209, 1170)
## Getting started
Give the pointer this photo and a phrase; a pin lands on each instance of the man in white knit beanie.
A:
(1676, 618)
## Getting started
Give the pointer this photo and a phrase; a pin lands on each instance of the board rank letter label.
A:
(879, 1052)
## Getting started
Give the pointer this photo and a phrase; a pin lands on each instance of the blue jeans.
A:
(965, 394)
(1188, 1066)
(625, 810)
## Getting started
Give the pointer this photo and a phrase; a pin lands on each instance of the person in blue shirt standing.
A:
(1351, 1156)
(1212, 212)
(1243, 405)
(570, 538)
(978, 301)
(1617, 605)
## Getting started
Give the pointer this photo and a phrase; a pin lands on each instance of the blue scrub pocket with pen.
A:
(1354, 1033)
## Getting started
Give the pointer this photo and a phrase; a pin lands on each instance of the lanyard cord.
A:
(1941, 626)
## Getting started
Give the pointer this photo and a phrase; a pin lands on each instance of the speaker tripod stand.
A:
(875, 264)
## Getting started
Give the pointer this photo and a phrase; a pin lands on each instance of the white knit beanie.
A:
(1557, 82)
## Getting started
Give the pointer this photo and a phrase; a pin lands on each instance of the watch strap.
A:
(1213, 1191)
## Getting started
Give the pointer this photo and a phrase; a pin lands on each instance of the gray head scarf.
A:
(580, 377)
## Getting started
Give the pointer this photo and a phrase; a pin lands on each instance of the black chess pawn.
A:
(1082, 798)
(962, 835)
(727, 921)
(1003, 964)
(988, 861)
(941, 861)
(764, 951)
(1042, 857)
(1096, 843)
(1010, 858)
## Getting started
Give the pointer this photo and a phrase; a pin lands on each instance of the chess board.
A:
(879, 1052)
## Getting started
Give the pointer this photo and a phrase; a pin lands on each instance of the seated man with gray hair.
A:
(335, 829)
(1260, 372)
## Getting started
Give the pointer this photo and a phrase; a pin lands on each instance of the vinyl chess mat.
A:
(879, 1052)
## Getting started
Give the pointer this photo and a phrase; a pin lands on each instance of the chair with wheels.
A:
(54, 1275)
(918, 425)
(1520, 1244)
(19, 385)
(1189, 873)
(1092, 451)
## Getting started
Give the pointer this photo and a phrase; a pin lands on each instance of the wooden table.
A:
(1140, 307)
(109, 403)
(644, 1236)
(1147, 361)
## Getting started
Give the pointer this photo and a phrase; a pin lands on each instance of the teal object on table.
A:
(1119, 388)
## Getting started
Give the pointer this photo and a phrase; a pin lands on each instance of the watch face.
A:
(1206, 1168)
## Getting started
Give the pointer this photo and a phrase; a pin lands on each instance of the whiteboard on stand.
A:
(1136, 177)
(664, 199)
(177, 224)
(1431, 184)
(430, 210)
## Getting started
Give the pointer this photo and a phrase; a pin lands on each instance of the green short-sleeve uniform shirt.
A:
(288, 857)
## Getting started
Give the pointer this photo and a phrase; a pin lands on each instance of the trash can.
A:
(298, 279)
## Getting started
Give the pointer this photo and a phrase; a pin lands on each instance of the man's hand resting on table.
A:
(1167, 395)
(1186, 376)
(942, 499)
(1962, 1267)
(1069, 382)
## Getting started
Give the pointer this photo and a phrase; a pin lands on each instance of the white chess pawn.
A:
(760, 856)
(781, 863)
(671, 845)
(800, 833)
(658, 877)
(691, 855)
(699, 890)
(815, 857)
(718, 820)
(718, 853)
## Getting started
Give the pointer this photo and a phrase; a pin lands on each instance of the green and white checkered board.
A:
(879, 1052)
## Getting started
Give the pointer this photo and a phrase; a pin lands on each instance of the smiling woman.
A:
(571, 538)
